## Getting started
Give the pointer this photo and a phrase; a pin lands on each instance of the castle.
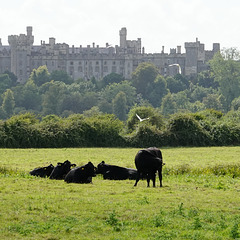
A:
(21, 57)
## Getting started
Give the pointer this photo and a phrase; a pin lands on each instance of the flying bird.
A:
(141, 119)
(179, 67)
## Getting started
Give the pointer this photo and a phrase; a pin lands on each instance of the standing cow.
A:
(81, 174)
(42, 171)
(61, 170)
(148, 162)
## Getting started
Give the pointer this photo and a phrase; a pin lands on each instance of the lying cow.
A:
(61, 170)
(42, 171)
(148, 162)
(113, 172)
(81, 174)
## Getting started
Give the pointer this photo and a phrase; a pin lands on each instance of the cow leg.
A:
(148, 180)
(153, 177)
(137, 179)
(160, 176)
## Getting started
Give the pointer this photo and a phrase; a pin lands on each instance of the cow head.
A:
(101, 168)
(48, 170)
(89, 169)
(60, 171)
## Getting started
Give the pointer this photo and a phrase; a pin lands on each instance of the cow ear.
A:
(103, 162)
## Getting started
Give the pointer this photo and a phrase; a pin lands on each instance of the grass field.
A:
(200, 198)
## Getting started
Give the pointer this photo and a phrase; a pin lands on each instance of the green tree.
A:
(61, 76)
(89, 100)
(213, 101)
(109, 93)
(177, 83)
(157, 91)
(181, 100)
(8, 102)
(236, 104)
(30, 98)
(12, 76)
(143, 77)
(168, 106)
(94, 111)
(227, 73)
(40, 76)
(5, 83)
(53, 98)
(119, 104)
(82, 86)
(206, 79)
(72, 102)
(198, 93)
(110, 79)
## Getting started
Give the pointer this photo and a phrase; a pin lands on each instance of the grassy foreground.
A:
(200, 198)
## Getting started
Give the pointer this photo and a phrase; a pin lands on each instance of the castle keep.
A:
(21, 57)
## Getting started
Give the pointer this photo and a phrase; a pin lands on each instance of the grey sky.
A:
(157, 22)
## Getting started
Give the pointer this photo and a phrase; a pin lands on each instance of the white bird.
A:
(141, 119)
(179, 67)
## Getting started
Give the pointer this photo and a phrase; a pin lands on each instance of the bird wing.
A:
(138, 117)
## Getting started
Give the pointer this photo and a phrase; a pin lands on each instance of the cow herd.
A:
(147, 161)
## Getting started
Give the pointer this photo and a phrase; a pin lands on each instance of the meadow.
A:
(200, 197)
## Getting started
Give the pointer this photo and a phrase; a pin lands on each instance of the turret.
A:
(29, 31)
(123, 37)
(216, 47)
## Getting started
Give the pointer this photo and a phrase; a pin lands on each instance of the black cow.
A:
(113, 172)
(42, 171)
(81, 174)
(148, 162)
(61, 170)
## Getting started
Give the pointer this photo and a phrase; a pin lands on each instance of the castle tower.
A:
(29, 31)
(123, 38)
(216, 47)
(21, 46)
(192, 55)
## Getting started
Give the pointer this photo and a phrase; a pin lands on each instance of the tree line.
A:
(56, 93)
(50, 96)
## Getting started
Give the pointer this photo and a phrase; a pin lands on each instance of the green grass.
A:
(191, 205)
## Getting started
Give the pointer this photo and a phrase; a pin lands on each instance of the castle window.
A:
(105, 62)
(114, 69)
(105, 69)
(97, 69)
(71, 63)
(97, 63)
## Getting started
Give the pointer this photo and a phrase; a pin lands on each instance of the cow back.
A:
(148, 159)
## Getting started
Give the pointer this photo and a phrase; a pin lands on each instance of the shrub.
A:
(147, 136)
(184, 130)
(18, 131)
